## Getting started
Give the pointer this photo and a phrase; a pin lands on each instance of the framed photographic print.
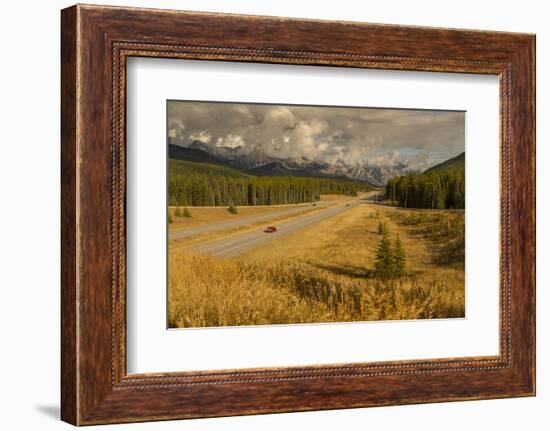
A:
(263, 217)
(282, 214)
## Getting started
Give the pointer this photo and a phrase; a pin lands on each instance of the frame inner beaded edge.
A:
(120, 380)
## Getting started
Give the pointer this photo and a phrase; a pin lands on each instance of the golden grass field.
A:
(325, 273)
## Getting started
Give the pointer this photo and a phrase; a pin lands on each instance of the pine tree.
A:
(232, 209)
(177, 212)
(399, 258)
(186, 212)
(384, 258)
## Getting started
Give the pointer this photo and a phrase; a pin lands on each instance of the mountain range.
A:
(258, 163)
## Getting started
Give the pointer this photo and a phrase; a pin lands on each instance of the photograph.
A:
(293, 214)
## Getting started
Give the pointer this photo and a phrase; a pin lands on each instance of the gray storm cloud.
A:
(419, 138)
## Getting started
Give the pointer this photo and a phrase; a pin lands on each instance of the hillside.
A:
(211, 184)
(185, 167)
(440, 187)
(457, 162)
(191, 154)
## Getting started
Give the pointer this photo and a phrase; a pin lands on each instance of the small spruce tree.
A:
(170, 217)
(177, 212)
(384, 258)
(399, 258)
(186, 212)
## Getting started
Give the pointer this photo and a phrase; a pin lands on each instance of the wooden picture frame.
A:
(95, 43)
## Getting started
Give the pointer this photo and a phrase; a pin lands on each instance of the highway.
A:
(184, 233)
(238, 244)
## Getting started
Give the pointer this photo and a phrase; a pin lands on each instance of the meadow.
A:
(327, 273)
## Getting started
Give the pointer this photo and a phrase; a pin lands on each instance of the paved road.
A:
(178, 234)
(239, 244)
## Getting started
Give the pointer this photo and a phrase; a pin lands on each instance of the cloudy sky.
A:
(354, 135)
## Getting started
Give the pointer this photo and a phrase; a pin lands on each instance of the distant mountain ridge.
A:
(257, 162)
(270, 167)
(278, 169)
(457, 162)
(275, 169)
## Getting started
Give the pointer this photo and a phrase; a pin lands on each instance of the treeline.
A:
(435, 190)
(198, 189)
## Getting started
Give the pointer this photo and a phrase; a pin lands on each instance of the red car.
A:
(270, 229)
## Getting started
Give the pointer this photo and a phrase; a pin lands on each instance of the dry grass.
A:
(217, 292)
(202, 215)
(323, 273)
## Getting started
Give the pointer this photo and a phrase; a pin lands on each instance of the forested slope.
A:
(440, 187)
(209, 184)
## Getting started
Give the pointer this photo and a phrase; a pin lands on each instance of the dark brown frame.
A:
(95, 43)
